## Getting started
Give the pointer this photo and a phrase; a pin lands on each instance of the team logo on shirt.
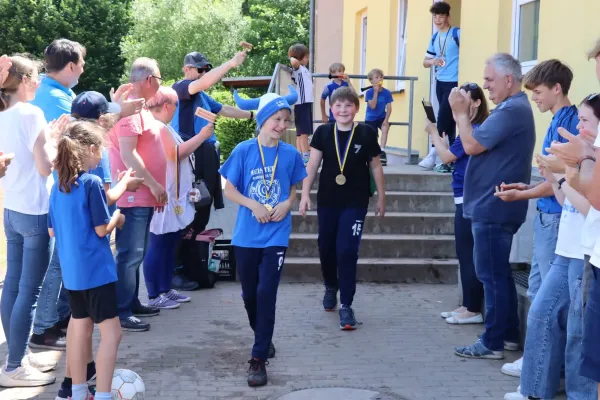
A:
(261, 189)
(357, 148)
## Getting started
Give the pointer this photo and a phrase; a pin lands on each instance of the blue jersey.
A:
(383, 99)
(86, 260)
(244, 169)
(446, 45)
(328, 91)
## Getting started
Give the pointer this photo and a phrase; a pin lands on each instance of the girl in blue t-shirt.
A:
(470, 311)
(80, 221)
(261, 175)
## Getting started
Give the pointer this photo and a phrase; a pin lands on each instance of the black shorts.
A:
(376, 124)
(98, 304)
(303, 118)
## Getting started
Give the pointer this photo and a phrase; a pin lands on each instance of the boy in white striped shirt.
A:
(303, 113)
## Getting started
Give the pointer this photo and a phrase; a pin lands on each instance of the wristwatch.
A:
(583, 159)
(251, 115)
(560, 182)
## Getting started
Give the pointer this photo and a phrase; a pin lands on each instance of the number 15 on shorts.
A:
(357, 228)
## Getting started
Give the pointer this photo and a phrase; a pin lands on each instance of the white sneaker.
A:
(429, 161)
(39, 362)
(25, 376)
(513, 369)
(515, 395)
(476, 319)
(448, 314)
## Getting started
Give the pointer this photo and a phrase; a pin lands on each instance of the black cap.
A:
(197, 60)
(92, 105)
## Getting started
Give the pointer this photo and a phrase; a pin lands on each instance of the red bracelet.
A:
(582, 159)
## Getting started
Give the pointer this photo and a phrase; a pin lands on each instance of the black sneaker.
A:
(257, 373)
(63, 325)
(51, 339)
(180, 282)
(132, 324)
(330, 299)
(271, 350)
(383, 158)
(347, 320)
(145, 311)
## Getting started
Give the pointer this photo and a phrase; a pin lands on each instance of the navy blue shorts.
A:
(303, 118)
(590, 357)
(376, 124)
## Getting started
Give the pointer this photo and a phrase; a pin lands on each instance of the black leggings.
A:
(472, 288)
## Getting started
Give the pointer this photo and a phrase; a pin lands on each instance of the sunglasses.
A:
(203, 69)
(469, 86)
(591, 97)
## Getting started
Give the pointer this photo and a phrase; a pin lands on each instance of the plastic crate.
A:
(223, 251)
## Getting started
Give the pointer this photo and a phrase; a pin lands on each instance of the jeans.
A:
(159, 262)
(472, 289)
(586, 280)
(131, 243)
(492, 252)
(554, 335)
(445, 120)
(340, 231)
(259, 271)
(545, 235)
(53, 304)
(28, 253)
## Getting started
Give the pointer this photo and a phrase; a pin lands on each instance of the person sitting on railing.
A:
(472, 289)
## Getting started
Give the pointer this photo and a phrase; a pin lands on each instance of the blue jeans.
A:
(53, 304)
(545, 235)
(491, 255)
(28, 253)
(159, 262)
(131, 243)
(554, 335)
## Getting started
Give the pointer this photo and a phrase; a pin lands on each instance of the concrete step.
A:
(432, 202)
(383, 246)
(415, 180)
(397, 270)
(403, 223)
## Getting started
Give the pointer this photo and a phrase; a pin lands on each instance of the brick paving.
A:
(403, 348)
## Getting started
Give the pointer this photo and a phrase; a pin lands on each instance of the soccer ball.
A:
(127, 385)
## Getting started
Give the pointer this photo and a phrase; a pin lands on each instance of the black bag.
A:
(196, 257)
(200, 184)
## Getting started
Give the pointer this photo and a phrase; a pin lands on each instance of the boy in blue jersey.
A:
(80, 220)
(379, 109)
(336, 69)
(443, 55)
(261, 175)
(549, 83)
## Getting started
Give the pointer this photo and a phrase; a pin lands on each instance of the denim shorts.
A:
(590, 359)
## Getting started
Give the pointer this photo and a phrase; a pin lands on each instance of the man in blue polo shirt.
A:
(442, 55)
(501, 150)
(64, 63)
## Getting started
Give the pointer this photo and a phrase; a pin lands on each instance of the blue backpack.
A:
(454, 36)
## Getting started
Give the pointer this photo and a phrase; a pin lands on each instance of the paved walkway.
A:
(403, 348)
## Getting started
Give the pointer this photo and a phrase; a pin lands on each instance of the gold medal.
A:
(269, 208)
(340, 179)
(178, 210)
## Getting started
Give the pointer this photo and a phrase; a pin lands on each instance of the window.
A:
(401, 46)
(526, 23)
(363, 49)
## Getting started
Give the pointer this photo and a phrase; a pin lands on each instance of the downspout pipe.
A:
(311, 37)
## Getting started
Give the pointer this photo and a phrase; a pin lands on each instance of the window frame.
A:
(401, 42)
(517, 4)
(363, 46)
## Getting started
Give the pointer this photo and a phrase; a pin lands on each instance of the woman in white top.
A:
(23, 133)
(166, 228)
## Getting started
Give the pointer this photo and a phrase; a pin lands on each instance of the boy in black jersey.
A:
(347, 149)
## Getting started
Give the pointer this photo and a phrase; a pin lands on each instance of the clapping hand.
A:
(573, 151)
(460, 102)
(130, 180)
(5, 65)
(128, 107)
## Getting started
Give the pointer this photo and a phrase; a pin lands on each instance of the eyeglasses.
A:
(469, 86)
(158, 78)
(203, 69)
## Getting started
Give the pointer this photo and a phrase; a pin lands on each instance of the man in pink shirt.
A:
(135, 142)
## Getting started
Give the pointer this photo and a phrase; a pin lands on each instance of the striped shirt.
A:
(303, 80)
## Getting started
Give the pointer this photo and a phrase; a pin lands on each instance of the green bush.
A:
(231, 132)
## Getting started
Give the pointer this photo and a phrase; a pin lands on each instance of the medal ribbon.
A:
(443, 49)
(177, 172)
(264, 167)
(342, 161)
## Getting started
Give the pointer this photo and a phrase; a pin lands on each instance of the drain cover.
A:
(334, 394)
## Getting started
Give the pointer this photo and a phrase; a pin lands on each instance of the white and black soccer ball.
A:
(127, 385)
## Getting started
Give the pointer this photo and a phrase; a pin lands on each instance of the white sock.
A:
(102, 396)
(79, 392)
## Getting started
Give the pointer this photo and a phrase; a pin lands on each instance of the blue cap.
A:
(267, 104)
(92, 105)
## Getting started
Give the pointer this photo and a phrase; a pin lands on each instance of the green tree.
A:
(30, 25)
(168, 30)
(274, 25)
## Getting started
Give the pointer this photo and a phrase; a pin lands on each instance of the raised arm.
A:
(213, 76)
